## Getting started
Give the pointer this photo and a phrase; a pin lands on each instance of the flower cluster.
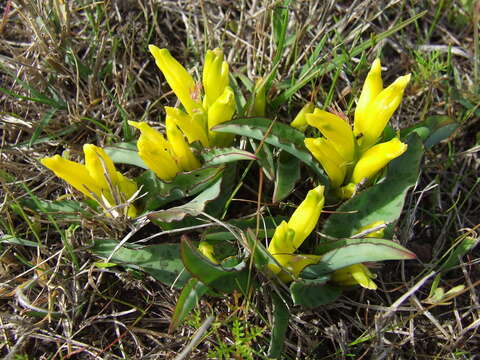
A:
(97, 179)
(167, 157)
(352, 157)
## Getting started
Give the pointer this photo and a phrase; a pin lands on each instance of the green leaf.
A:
(279, 327)
(288, 173)
(460, 250)
(218, 277)
(61, 209)
(355, 253)
(432, 130)
(161, 261)
(14, 240)
(381, 202)
(327, 246)
(193, 208)
(313, 293)
(218, 156)
(267, 225)
(265, 158)
(187, 301)
(159, 193)
(44, 122)
(125, 153)
(277, 134)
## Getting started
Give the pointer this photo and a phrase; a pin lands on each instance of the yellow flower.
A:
(353, 275)
(178, 78)
(97, 179)
(221, 111)
(215, 76)
(155, 151)
(376, 106)
(351, 157)
(300, 121)
(289, 236)
(359, 273)
(217, 106)
(375, 159)
(207, 250)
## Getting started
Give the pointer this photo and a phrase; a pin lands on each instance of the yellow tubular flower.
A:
(155, 151)
(375, 234)
(260, 101)
(190, 126)
(183, 154)
(380, 111)
(335, 129)
(215, 76)
(353, 275)
(375, 159)
(305, 217)
(281, 246)
(333, 164)
(180, 81)
(371, 88)
(300, 121)
(207, 250)
(221, 111)
(91, 179)
(296, 264)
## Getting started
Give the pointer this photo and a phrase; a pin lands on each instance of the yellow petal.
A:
(300, 121)
(215, 76)
(376, 158)
(221, 111)
(281, 245)
(375, 234)
(183, 154)
(380, 111)
(353, 275)
(98, 165)
(155, 151)
(296, 264)
(73, 173)
(336, 130)
(371, 88)
(191, 126)
(260, 101)
(180, 81)
(305, 217)
(207, 250)
(333, 164)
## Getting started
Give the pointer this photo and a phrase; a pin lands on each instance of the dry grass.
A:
(74, 73)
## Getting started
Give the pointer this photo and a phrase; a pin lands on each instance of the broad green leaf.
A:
(159, 193)
(313, 293)
(327, 246)
(125, 153)
(161, 261)
(191, 293)
(277, 134)
(432, 130)
(265, 158)
(193, 208)
(288, 173)
(280, 316)
(356, 253)
(267, 225)
(460, 249)
(218, 156)
(218, 277)
(14, 240)
(381, 202)
(61, 209)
